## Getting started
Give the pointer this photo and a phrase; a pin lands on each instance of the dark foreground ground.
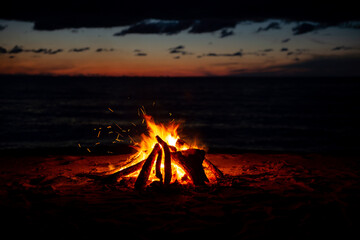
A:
(281, 196)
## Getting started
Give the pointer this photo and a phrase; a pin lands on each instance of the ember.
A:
(164, 158)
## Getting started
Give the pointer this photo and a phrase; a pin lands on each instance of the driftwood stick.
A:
(158, 166)
(167, 160)
(129, 170)
(146, 169)
(213, 169)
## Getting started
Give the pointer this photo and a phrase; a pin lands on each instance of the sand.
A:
(285, 196)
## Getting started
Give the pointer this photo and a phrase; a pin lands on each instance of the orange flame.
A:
(168, 133)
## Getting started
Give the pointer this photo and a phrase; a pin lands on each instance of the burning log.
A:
(124, 172)
(213, 169)
(146, 168)
(191, 161)
(167, 160)
(158, 166)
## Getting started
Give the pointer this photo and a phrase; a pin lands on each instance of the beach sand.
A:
(286, 196)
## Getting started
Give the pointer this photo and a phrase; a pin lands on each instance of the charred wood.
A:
(158, 166)
(129, 170)
(191, 161)
(167, 160)
(213, 169)
(146, 169)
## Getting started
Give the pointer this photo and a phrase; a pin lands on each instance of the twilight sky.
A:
(200, 42)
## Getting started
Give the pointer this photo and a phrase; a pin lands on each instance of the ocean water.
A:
(225, 114)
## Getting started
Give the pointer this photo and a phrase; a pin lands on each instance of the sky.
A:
(170, 41)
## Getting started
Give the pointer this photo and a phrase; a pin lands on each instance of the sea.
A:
(68, 115)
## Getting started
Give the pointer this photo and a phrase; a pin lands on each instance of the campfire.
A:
(163, 157)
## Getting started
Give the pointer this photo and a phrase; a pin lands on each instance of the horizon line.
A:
(163, 76)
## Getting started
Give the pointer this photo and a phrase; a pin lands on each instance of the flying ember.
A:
(163, 157)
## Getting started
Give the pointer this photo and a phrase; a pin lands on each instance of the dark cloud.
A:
(156, 27)
(341, 48)
(272, 25)
(235, 54)
(16, 50)
(284, 49)
(286, 40)
(3, 50)
(309, 27)
(79, 49)
(211, 25)
(179, 50)
(297, 52)
(141, 54)
(2, 27)
(226, 33)
(266, 50)
(104, 50)
(83, 13)
(45, 51)
(170, 27)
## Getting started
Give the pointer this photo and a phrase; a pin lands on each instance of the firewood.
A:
(172, 148)
(191, 161)
(146, 169)
(129, 170)
(158, 166)
(167, 160)
(213, 169)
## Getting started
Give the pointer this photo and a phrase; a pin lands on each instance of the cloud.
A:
(153, 26)
(140, 53)
(104, 50)
(2, 27)
(338, 48)
(16, 49)
(226, 33)
(286, 40)
(79, 49)
(271, 26)
(309, 27)
(266, 50)
(78, 14)
(212, 25)
(235, 54)
(284, 49)
(179, 50)
(2, 50)
(170, 27)
(45, 51)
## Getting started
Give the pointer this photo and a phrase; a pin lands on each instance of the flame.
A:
(167, 132)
